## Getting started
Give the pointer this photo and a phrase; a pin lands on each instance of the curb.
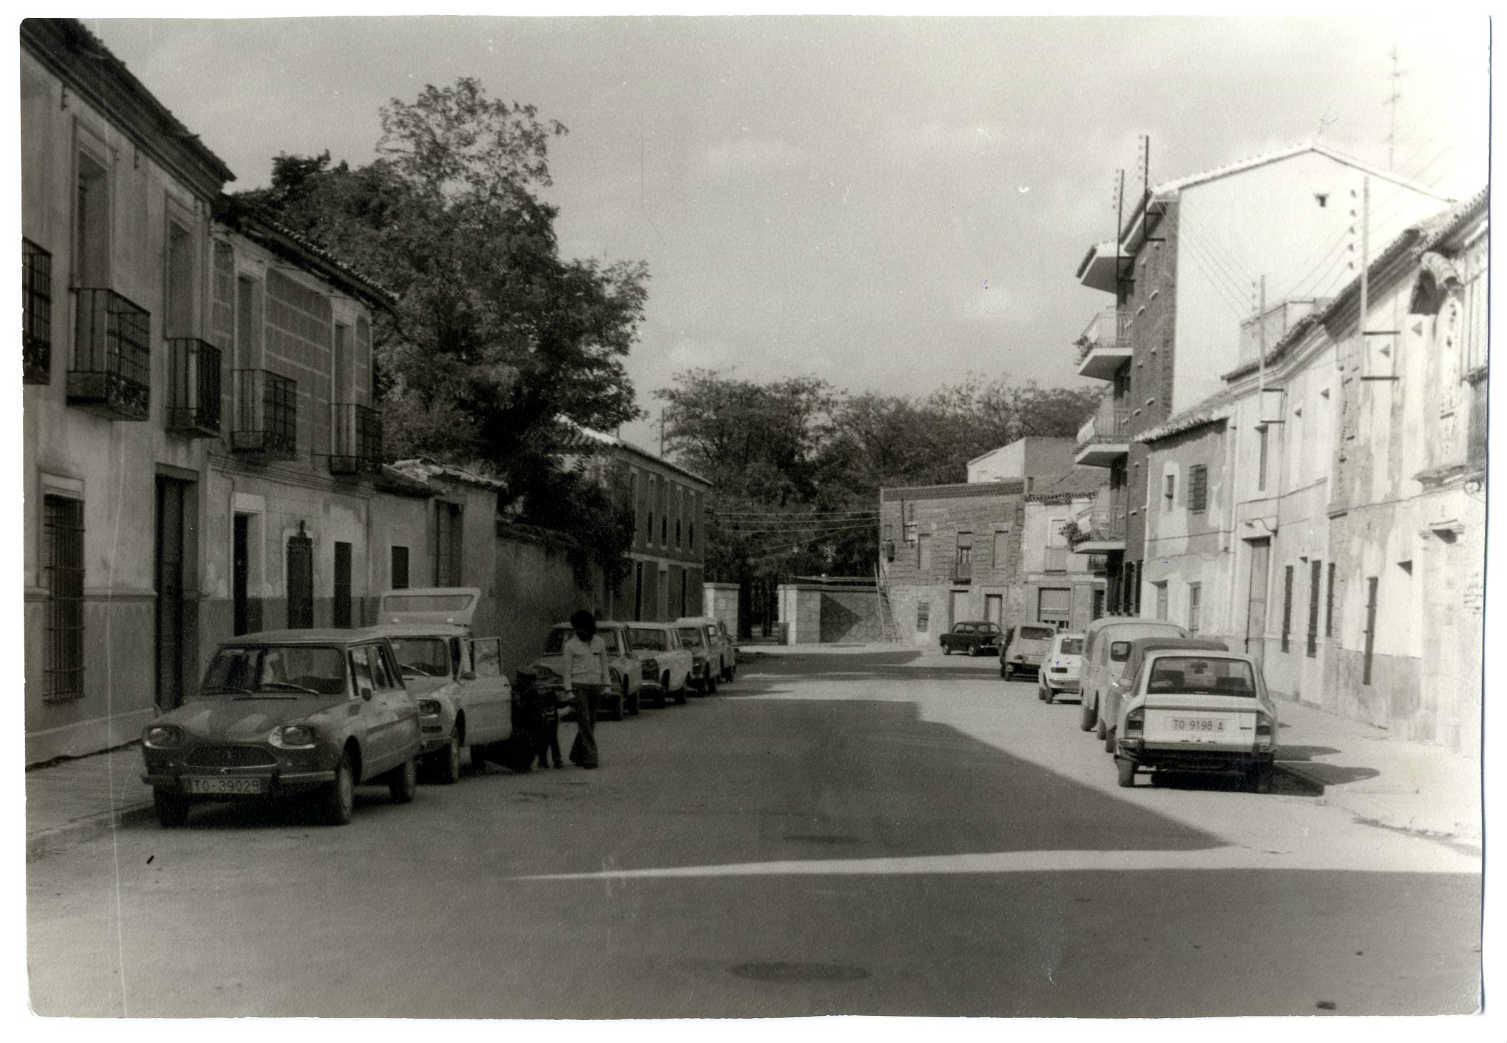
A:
(53, 839)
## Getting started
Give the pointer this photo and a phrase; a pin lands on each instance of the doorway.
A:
(1255, 610)
(171, 554)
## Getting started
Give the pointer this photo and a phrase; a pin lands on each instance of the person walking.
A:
(585, 669)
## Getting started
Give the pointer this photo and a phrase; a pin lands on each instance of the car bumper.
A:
(272, 784)
(1194, 759)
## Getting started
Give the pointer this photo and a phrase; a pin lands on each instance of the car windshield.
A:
(1203, 675)
(422, 656)
(654, 640)
(711, 632)
(1036, 633)
(988, 628)
(691, 636)
(1071, 646)
(276, 669)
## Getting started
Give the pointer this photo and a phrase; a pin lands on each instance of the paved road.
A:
(850, 832)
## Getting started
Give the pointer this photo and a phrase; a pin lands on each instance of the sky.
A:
(889, 204)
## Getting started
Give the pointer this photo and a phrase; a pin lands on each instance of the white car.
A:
(664, 663)
(464, 696)
(1062, 667)
(1198, 710)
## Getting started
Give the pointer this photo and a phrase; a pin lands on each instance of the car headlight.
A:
(163, 736)
(429, 707)
(292, 736)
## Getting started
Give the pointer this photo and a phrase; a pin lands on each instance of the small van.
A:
(1106, 647)
(1024, 647)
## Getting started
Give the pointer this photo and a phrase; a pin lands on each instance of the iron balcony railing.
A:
(962, 571)
(355, 438)
(1107, 425)
(36, 314)
(266, 415)
(112, 362)
(1105, 521)
(193, 387)
(1108, 329)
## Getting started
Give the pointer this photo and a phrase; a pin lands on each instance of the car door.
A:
(394, 714)
(487, 690)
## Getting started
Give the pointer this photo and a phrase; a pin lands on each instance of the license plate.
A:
(1197, 725)
(192, 784)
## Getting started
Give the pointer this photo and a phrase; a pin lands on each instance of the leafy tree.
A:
(495, 337)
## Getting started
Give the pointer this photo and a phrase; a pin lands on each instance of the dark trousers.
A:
(584, 750)
(547, 737)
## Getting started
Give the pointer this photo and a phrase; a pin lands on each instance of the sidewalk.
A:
(1408, 786)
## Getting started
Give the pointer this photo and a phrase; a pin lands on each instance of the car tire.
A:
(711, 685)
(1125, 772)
(630, 700)
(403, 781)
(947, 650)
(1100, 728)
(679, 693)
(338, 800)
(172, 808)
(1087, 714)
(1109, 740)
(1051, 695)
(447, 761)
(1259, 779)
(1009, 671)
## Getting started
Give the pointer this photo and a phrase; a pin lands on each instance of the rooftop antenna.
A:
(1391, 102)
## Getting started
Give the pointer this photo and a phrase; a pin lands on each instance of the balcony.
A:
(962, 571)
(355, 439)
(112, 364)
(1105, 531)
(266, 415)
(1104, 345)
(193, 387)
(36, 318)
(1104, 438)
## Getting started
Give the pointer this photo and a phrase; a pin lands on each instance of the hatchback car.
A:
(1121, 686)
(1106, 646)
(976, 637)
(706, 664)
(664, 663)
(1062, 668)
(1024, 647)
(1198, 711)
(721, 640)
(287, 712)
(621, 696)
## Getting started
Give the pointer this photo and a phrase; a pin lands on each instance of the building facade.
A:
(1064, 588)
(1180, 270)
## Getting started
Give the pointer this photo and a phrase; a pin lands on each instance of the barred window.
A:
(36, 313)
(1286, 608)
(1198, 488)
(1315, 577)
(1195, 607)
(63, 578)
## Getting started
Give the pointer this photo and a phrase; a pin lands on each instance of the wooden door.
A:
(1255, 611)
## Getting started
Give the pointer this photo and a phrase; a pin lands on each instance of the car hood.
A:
(243, 719)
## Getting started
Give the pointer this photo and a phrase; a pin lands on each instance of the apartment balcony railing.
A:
(112, 361)
(1104, 524)
(1104, 345)
(1104, 438)
(36, 319)
(962, 572)
(193, 387)
(266, 415)
(355, 439)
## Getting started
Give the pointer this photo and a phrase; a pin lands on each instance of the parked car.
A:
(1024, 647)
(972, 637)
(706, 665)
(463, 692)
(1203, 711)
(1062, 667)
(622, 695)
(1106, 646)
(1121, 685)
(722, 641)
(287, 712)
(664, 663)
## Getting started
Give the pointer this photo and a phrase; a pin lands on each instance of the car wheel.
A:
(478, 759)
(947, 650)
(1009, 671)
(339, 799)
(172, 808)
(630, 699)
(1050, 695)
(1087, 715)
(1259, 779)
(403, 782)
(679, 693)
(447, 761)
(711, 685)
(1100, 727)
(1041, 693)
(1109, 740)
(1125, 772)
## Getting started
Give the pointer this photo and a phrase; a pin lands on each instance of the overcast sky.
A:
(888, 204)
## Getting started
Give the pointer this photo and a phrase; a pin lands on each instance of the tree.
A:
(495, 338)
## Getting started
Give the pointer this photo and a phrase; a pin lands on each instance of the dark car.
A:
(286, 712)
(977, 637)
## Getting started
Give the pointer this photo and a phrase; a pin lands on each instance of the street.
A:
(845, 831)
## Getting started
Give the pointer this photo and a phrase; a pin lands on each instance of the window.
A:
(923, 552)
(1001, 548)
(1161, 599)
(1315, 575)
(248, 323)
(1169, 487)
(36, 313)
(399, 577)
(300, 567)
(690, 538)
(1198, 488)
(923, 616)
(182, 286)
(1056, 548)
(447, 545)
(677, 533)
(342, 607)
(1370, 633)
(963, 558)
(488, 657)
(1261, 449)
(633, 501)
(342, 384)
(91, 224)
(1054, 605)
(63, 579)
(382, 673)
(653, 494)
(1286, 608)
(1329, 604)
(1195, 606)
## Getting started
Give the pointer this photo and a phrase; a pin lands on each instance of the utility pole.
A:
(1392, 100)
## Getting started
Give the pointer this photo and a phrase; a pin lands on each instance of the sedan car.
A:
(1024, 647)
(978, 637)
(622, 694)
(706, 665)
(721, 640)
(1198, 711)
(1062, 667)
(288, 712)
(664, 663)
(1120, 687)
